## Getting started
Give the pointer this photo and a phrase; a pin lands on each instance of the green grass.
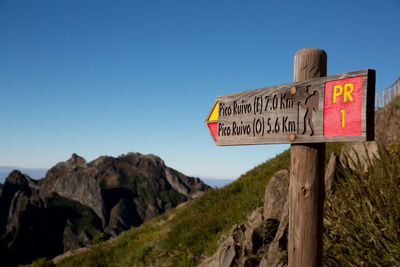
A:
(199, 227)
(99, 238)
(42, 262)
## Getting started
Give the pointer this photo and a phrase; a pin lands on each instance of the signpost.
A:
(307, 113)
(327, 109)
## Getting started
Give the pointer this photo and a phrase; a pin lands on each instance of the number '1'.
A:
(342, 113)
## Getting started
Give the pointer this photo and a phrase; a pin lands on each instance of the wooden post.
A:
(307, 189)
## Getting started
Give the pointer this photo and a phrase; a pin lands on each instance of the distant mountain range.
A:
(38, 173)
(216, 183)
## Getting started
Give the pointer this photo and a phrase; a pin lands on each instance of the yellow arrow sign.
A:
(212, 121)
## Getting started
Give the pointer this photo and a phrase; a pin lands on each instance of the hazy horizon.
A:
(39, 173)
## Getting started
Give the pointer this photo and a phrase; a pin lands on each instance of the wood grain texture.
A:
(306, 199)
(308, 62)
(278, 105)
(306, 190)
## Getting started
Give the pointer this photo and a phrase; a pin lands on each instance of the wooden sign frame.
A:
(297, 112)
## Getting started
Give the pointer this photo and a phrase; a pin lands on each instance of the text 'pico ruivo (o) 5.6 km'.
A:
(337, 108)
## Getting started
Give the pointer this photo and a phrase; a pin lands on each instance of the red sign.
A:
(342, 109)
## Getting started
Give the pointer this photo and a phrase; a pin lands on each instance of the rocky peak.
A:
(108, 169)
(62, 169)
(144, 162)
(150, 157)
(77, 161)
(17, 187)
(17, 181)
(17, 178)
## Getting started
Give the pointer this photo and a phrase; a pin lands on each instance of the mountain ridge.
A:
(77, 200)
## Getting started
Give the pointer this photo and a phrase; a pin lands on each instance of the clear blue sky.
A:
(109, 77)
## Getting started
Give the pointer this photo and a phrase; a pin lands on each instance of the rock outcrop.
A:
(262, 239)
(330, 174)
(387, 126)
(362, 153)
(276, 195)
(275, 255)
(83, 189)
(240, 246)
(77, 200)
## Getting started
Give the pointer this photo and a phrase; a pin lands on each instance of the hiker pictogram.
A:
(311, 105)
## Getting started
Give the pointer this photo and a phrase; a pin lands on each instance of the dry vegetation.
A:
(363, 220)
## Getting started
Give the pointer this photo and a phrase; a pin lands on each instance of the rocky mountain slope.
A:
(185, 235)
(77, 200)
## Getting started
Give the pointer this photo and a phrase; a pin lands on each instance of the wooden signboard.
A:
(337, 108)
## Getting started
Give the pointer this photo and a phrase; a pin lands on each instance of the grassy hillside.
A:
(362, 224)
(186, 235)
